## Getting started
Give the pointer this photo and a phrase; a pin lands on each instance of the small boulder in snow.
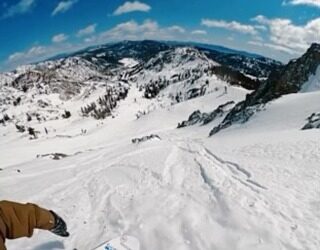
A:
(145, 138)
(313, 121)
(53, 156)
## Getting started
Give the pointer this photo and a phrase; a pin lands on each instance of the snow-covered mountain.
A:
(257, 66)
(114, 138)
(247, 63)
(81, 83)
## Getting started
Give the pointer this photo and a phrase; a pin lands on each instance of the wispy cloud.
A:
(289, 37)
(176, 28)
(312, 3)
(233, 25)
(199, 32)
(131, 7)
(274, 47)
(59, 38)
(34, 53)
(132, 30)
(38, 53)
(90, 29)
(148, 29)
(63, 6)
(23, 6)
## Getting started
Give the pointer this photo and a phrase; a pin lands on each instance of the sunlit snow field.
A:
(254, 186)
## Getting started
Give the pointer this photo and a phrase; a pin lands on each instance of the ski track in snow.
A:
(174, 193)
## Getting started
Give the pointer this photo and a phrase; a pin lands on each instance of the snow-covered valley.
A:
(252, 186)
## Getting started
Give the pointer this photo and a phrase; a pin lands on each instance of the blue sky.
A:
(32, 30)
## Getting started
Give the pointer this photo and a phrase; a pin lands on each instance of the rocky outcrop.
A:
(288, 79)
(204, 118)
(145, 138)
(313, 121)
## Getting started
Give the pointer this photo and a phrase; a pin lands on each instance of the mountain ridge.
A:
(286, 80)
(215, 47)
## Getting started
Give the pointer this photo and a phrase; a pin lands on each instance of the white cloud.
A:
(23, 6)
(258, 38)
(260, 19)
(90, 39)
(131, 7)
(313, 3)
(274, 47)
(260, 27)
(233, 25)
(63, 6)
(148, 29)
(87, 30)
(33, 52)
(132, 30)
(199, 32)
(176, 28)
(287, 36)
(59, 38)
(38, 53)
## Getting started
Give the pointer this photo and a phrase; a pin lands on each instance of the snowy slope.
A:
(253, 186)
(249, 187)
(129, 62)
(286, 161)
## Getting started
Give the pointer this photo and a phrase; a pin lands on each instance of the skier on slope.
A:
(19, 220)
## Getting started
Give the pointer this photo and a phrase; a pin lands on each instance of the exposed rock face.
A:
(289, 79)
(145, 138)
(53, 156)
(313, 121)
(204, 118)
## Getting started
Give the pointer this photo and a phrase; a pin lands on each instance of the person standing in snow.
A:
(19, 220)
(225, 90)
